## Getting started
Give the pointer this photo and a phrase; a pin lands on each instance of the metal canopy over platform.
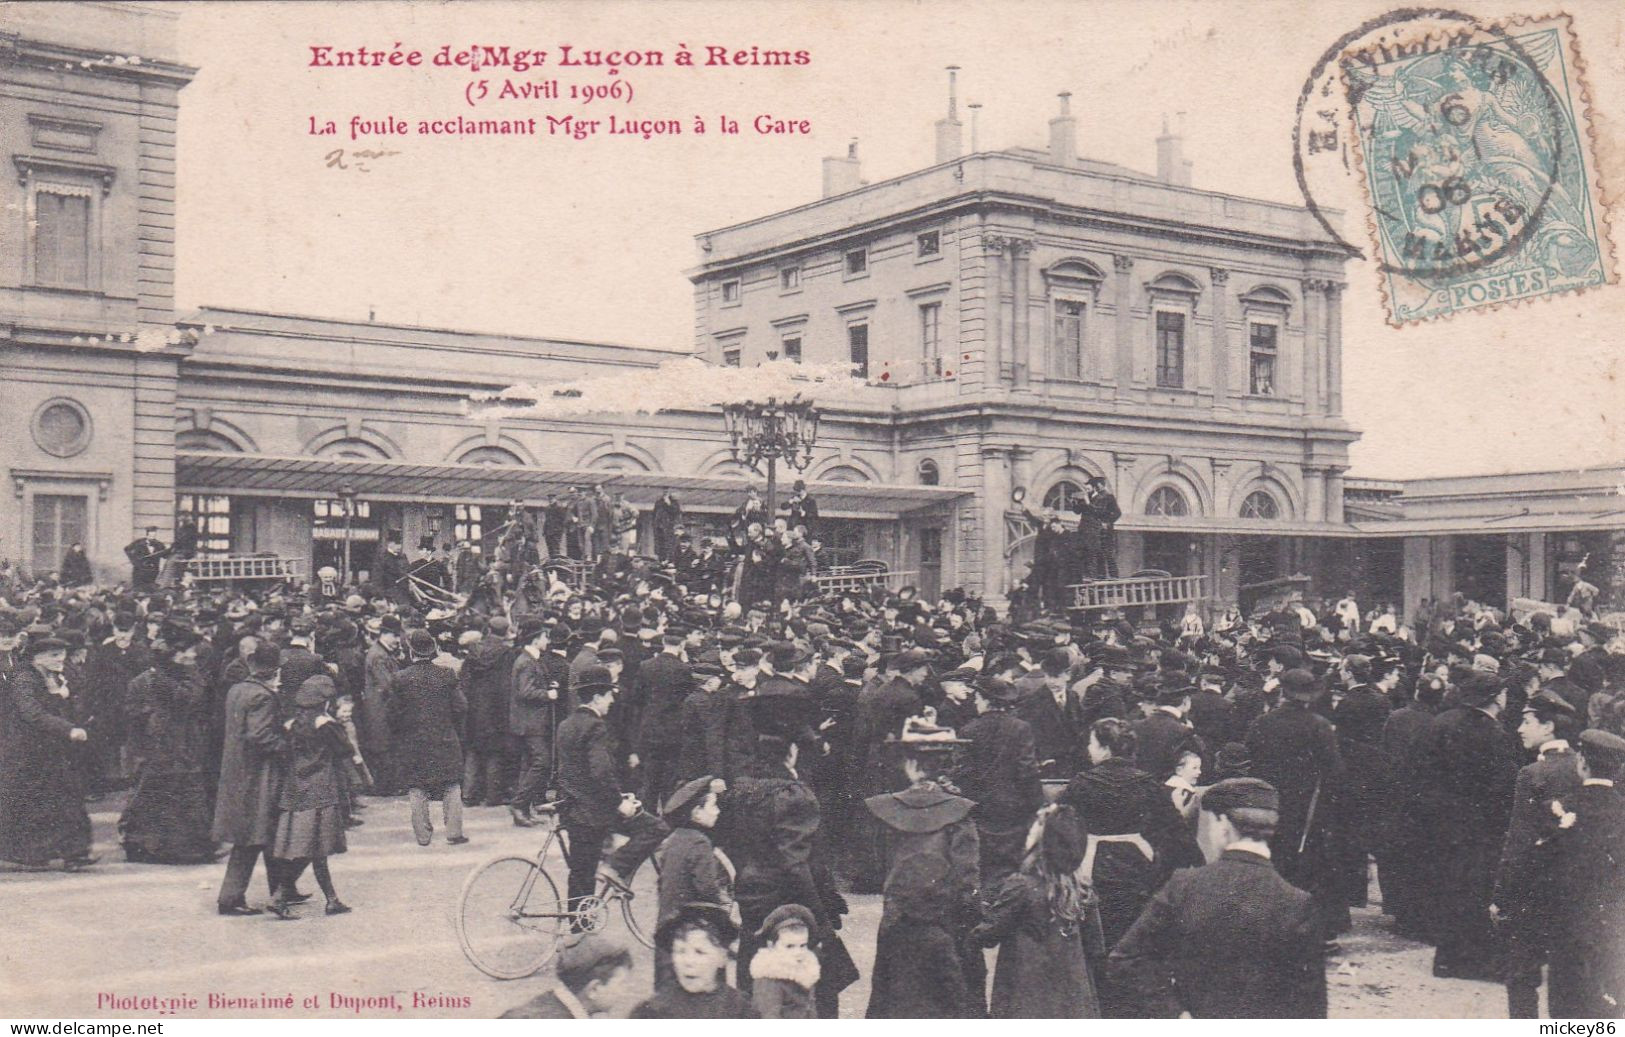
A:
(259, 475)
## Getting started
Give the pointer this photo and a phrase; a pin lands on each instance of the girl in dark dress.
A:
(310, 817)
(1046, 924)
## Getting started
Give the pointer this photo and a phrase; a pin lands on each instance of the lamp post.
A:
(771, 432)
(347, 495)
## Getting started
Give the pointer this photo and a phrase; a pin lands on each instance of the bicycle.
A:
(512, 918)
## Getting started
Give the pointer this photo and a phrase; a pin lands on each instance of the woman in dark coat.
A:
(42, 795)
(75, 571)
(310, 810)
(168, 818)
(1046, 925)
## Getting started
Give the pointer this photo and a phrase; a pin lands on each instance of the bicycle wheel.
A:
(641, 908)
(511, 918)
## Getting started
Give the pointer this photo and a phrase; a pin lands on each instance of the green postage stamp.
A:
(1476, 156)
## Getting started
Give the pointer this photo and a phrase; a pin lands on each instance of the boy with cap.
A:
(595, 981)
(785, 970)
(1231, 939)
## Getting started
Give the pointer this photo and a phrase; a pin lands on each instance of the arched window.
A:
(1165, 500)
(199, 439)
(1061, 495)
(929, 474)
(843, 473)
(490, 455)
(352, 450)
(1260, 505)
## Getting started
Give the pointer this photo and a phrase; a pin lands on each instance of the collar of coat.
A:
(923, 808)
(799, 967)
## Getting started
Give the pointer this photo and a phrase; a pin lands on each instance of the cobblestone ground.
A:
(148, 930)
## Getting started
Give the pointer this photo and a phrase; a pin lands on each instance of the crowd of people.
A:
(1146, 819)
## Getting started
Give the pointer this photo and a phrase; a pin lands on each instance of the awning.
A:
(1602, 520)
(258, 475)
(1250, 527)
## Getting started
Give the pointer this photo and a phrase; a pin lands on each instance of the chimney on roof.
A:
(949, 143)
(1063, 133)
(1172, 166)
(843, 174)
(975, 137)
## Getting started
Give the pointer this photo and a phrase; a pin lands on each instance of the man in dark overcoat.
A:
(485, 675)
(1056, 717)
(245, 808)
(1402, 867)
(426, 710)
(379, 666)
(1468, 770)
(1231, 939)
(1295, 749)
(540, 681)
(664, 682)
(999, 773)
(1361, 798)
(146, 554)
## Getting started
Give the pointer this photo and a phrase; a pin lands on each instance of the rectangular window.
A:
(1067, 361)
(928, 244)
(730, 356)
(789, 278)
(857, 342)
(792, 348)
(1261, 359)
(857, 262)
(212, 516)
(62, 239)
(467, 525)
(1170, 350)
(730, 292)
(931, 339)
(59, 521)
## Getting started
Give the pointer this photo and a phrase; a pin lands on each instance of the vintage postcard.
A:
(967, 510)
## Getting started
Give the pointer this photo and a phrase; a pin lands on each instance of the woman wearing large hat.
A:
(168, 818)
(42, 796)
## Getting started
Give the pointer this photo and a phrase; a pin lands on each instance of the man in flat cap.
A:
(595, 981)
(1469, 764)
(1587, 954)
(1522, 901)
(1231, 939)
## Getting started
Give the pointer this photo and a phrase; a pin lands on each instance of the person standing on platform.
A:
(146, 554)
(668, 515)
(1104, 505)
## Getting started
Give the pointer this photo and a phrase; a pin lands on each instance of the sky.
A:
(589, 239)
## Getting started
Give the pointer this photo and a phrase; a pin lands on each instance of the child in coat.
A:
(785, 970)
(310, 819)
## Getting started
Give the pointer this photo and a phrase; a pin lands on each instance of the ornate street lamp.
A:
(771, 432)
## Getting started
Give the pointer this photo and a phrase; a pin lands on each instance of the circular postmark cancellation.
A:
(1464, 147)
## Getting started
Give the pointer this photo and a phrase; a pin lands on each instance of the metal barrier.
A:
(1140, 590)
(243, 567)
